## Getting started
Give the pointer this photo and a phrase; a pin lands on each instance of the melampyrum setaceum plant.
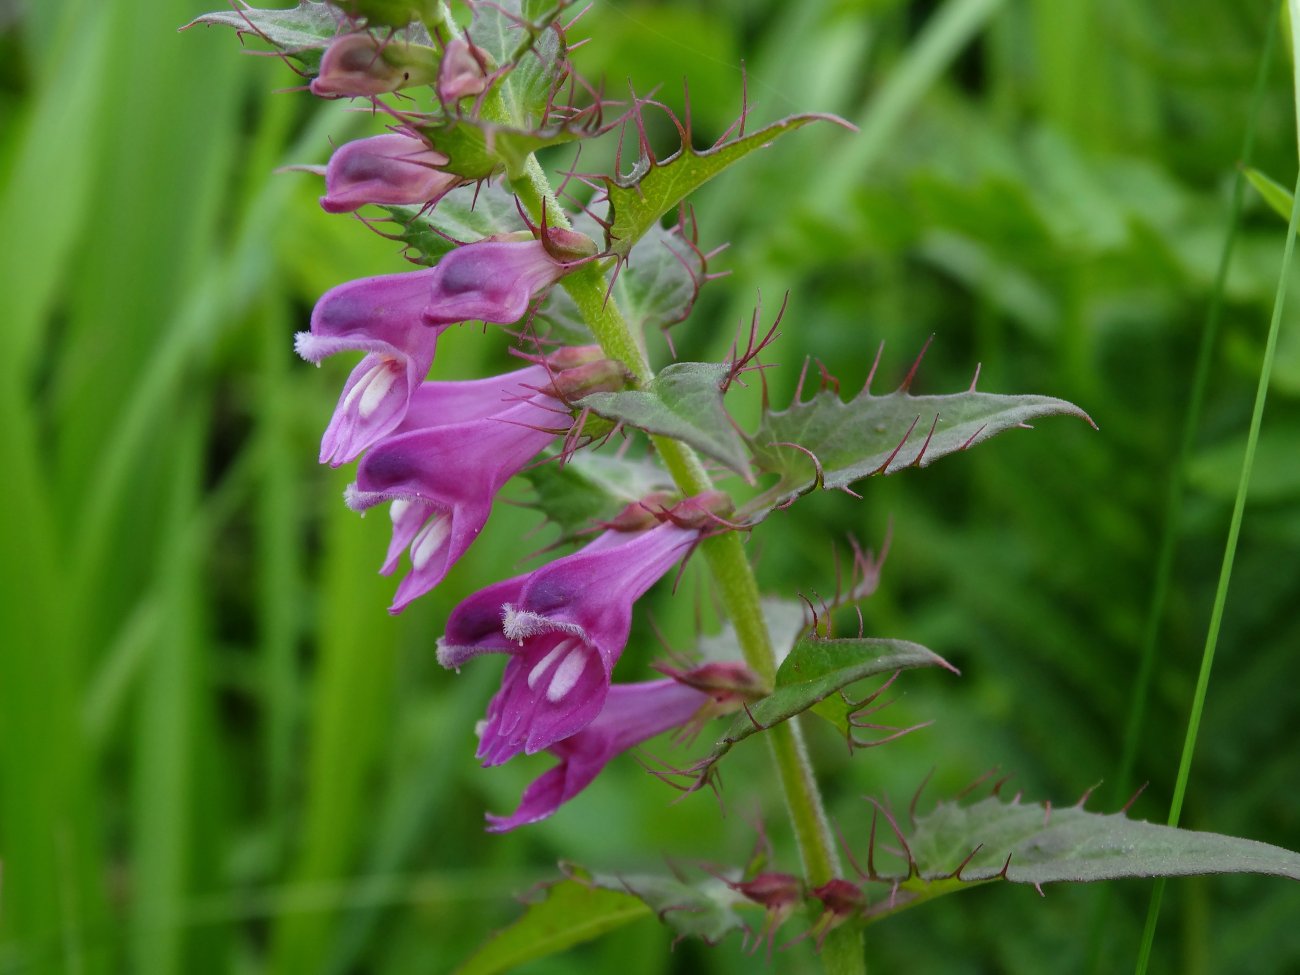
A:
(639, 466)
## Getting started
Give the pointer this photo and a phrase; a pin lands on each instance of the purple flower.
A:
(361, 65)
(493, 280)
(564, 626)
(633, 713)
(390, 168)
(459, 443)
(381, 316)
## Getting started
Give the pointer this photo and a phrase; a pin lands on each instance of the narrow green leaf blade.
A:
(638, 201)
(1277, 196)
(683, 401)
(570, 914)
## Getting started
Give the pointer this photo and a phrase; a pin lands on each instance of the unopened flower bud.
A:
(642, 514)
(573, 355)
(463, 71)
(729, 682)
(842, 900)
(702, 510)
(361, 65)
(390, 168)
(568, 246)
(601, 376)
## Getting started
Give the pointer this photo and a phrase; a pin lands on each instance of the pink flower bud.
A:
(362, 65)
(391, 168)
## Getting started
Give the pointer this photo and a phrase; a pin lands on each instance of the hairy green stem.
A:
(588, 287)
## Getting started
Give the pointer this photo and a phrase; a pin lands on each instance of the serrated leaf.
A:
(570, 914)
(703, 910)
(878, 435)
(814, 670)
(591, 487)
(1277, 196)
(638, 201)
(1051, 845)
(476, 148)
(683, 401)
(300, 32)
(662, 278)
(465, 214)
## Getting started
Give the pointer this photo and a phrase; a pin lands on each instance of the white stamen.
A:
(540, 667)
(399, 508)
(429, 540)
(372, 387)
(566, 675)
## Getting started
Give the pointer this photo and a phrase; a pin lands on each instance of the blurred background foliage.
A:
(219, 754)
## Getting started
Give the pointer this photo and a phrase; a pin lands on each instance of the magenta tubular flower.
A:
(633, 713)
(381, 316)
(390, 168)
(459, 443)
(491, 281)
(564, 626)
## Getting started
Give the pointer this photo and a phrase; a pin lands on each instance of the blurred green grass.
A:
(218, 752)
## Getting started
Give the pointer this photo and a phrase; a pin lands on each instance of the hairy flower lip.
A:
(564, 626)
(444, 466)
(380, 316)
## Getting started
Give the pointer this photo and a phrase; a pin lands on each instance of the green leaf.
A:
(477, 148)
(591, 487)
(705, 910)
(571, 913)
(637, 201)
(523, 34)
(300, 32)
(1051, 845)
(304, 31)
(878, 435)
(466, 214)
(658, 286)
(1277, 196)
(683, 401)
(814, 670)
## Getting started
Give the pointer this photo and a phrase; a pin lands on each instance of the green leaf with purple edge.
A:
(570, 913)
(814, 670)
(957, 846)
(655, 187)
(300, 32)
(828, 443)
(683, 401)
(466, 214)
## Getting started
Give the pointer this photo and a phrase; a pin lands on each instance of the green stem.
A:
(842, 952)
